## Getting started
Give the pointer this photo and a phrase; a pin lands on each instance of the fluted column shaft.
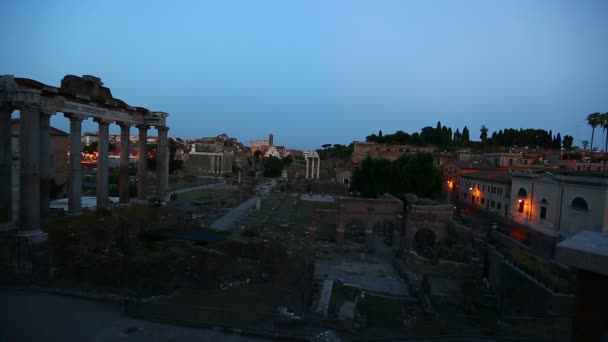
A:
(102, 164)
(123, 174)
(307, 159)
(6, 160)
(75, 180)
(318, 167)
(162, 161)
(29, 183)
(142, 162)
(45, 164)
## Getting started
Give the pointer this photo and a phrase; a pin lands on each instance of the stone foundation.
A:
(24, 254)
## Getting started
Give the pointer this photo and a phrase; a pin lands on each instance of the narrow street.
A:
(225, 222)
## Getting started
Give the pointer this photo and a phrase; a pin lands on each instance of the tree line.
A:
(445, 137)
(410, 173)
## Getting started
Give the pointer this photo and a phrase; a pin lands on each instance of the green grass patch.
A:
(541, 271)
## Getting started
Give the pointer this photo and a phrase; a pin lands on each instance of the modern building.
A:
(453, 170)
(560, 205)
(488, 190)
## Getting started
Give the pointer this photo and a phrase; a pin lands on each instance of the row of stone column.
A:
(313, 169)
(35, 162)
(217, 165)
(220, 163)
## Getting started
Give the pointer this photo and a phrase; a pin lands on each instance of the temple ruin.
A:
(79, 99)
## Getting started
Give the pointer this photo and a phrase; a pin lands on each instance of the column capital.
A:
(142, 127)
(123, 124)
(74, 116)
(47, 112)
(102, 121)
(162, 128)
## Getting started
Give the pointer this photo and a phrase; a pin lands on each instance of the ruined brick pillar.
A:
(312, 234)
(369, 239)
(340, 230)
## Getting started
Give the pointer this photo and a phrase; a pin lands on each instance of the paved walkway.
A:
(225, 222)
(36, 316)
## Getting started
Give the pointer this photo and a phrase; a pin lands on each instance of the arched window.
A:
(579, 203)
(522, 193)
(543, 208)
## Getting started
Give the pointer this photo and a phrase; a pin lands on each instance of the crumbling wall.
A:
(520, 295)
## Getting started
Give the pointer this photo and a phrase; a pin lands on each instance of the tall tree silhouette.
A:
(594, 120)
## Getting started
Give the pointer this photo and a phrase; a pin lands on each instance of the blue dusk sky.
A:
(328, 71)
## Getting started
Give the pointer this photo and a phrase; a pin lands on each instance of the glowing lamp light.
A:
(520, 201)
(470, 189)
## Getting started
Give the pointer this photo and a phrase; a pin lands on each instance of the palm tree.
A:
(604, 119)
(594, 120)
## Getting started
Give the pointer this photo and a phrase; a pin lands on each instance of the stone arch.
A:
(424, 241)
(435, 218)
(370, 212)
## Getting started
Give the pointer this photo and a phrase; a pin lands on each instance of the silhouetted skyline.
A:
(317, 72)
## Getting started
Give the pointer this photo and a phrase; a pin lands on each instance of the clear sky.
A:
(326, 71)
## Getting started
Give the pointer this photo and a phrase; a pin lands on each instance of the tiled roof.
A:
(492, 176)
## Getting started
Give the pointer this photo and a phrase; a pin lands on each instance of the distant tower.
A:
(270, 140)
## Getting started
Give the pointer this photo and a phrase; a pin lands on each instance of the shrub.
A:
(250, 232)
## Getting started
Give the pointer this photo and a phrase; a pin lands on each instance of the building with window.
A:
(560, 205)
(453, 170)
(488, 190)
